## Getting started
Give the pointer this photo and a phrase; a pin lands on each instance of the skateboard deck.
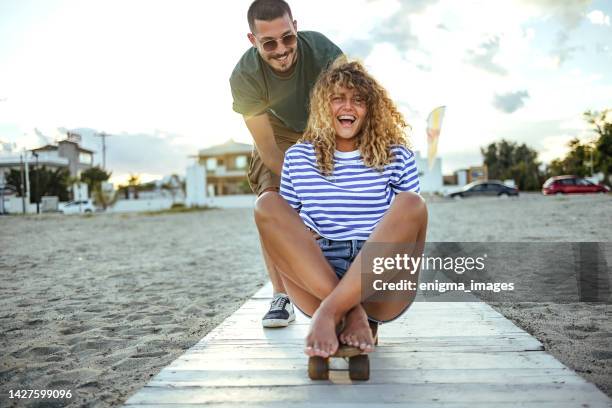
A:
(358, 361)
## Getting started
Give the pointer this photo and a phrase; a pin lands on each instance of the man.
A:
(271, 84)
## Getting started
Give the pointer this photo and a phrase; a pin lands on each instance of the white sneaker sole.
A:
(277, 322)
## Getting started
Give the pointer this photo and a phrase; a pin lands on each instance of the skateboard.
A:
(358, 361)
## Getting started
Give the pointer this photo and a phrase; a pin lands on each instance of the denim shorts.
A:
(340, 254)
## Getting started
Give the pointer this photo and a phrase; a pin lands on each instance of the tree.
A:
(133, 183)
(602, 153)
(173, 185)
(586, 158)
(94, 177)
(576, 161)
(53, 182)
(508, 160)
(105, 198)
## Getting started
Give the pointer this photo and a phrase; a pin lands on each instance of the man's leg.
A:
(275, 278)
(263, 180)
(281, 311)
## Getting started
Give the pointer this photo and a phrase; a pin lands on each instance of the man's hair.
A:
(267, 10)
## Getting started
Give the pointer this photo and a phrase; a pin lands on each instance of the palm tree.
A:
(133, 183)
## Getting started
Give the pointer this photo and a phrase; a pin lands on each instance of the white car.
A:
(77, 207)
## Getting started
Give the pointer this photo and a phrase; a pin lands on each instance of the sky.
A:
(155, 74)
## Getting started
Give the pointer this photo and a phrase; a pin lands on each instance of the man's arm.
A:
(263, 135)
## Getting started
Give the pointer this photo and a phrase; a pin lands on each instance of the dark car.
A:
(571, 185)
(485, 188)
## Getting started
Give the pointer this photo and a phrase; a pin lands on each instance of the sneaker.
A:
(281, 312)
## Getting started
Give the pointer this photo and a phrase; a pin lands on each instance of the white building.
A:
(431, 180)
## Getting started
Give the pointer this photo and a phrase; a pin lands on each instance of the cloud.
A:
(511, 101)
(568, 13)
(126, 153)
(597, 17)
(7, 148)
(42, 139)
(395, 29)
(602, 48)
(563, 51)
(484, 55)
(357, 48)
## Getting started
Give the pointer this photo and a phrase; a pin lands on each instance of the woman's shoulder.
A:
(300, 150)
(402, 153)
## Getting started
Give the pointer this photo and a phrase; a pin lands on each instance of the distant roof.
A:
(54, 147)
(229, 147)
(45, 147)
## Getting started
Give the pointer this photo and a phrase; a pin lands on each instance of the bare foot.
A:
(322, 339)
(357, 332)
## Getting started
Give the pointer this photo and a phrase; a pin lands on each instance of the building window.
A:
(211, 163)
(241, 162)
(85, 158)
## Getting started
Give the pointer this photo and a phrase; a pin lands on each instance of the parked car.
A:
(485, 188)
(77, 207)
(571, 185)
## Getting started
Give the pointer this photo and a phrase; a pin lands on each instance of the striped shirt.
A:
(349, 204)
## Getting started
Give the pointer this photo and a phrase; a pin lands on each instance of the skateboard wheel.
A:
(318, 368)
(359, 368)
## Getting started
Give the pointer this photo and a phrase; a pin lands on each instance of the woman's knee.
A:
(387, 311)
(266, 206)
(412, 205)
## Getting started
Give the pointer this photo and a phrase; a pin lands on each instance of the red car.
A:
(571, 185)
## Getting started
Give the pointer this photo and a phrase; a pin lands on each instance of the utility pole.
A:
(27, 176)
(37, 184)
(103, 136)
(22, 183)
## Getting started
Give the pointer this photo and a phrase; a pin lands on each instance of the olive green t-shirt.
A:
(257, 89)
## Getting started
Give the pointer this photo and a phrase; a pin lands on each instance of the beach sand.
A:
(99, 304)
(579, 334)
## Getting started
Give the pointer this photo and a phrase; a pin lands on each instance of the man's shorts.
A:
(259, 176)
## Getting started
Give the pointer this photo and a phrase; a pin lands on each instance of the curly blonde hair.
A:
(383, 127)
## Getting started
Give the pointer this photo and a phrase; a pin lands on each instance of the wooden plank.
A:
(374, 393)
(456, 344)
(436, 355)
(258, 303)
(242, 378)
(415, 361)
(300, 331)
(408, 404)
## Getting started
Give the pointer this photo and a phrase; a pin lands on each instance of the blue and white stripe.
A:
(350, 203)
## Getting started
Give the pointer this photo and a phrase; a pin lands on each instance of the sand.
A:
(579, 334)
(100, 304)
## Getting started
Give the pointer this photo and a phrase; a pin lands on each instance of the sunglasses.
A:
(287, 40)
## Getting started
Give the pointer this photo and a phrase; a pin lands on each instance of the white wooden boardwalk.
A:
(439, 354)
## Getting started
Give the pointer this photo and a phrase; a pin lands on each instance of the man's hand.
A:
(262, 133)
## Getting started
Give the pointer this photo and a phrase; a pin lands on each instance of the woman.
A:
(350, 181)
